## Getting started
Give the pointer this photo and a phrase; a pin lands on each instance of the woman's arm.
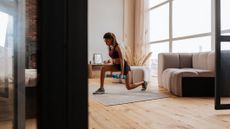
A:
(121, 59)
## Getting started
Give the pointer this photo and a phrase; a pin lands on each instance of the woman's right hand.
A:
(109, 62)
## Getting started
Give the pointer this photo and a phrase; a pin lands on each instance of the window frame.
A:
(171, 38)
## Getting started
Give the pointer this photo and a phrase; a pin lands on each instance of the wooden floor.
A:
(168, 113)
(30, 124)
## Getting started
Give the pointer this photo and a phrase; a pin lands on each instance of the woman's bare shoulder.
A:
(117, 47)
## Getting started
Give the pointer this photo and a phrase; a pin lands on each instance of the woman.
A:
(118, 64)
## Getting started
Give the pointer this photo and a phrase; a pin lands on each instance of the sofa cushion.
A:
(200, 60)
(172, 77)
(185, 60)
(166, 60)
(204, 60)
(166, 76)
(204, 73)
(211, 61)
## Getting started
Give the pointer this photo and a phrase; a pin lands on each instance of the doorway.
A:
(17, 64)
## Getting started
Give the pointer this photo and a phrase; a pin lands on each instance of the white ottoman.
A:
(138, 74)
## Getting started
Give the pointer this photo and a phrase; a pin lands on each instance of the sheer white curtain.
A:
(141, 28)
(136, 33)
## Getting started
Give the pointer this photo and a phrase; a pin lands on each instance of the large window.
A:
(155, 2)
(192, 45)
(225, 19)
(225, 46)
(183, 26)
(6, 71)
(3, 28)
(159, 19)
(191, 17)
(225, 22)
(156, 49)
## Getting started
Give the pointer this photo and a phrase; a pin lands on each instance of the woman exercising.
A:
(118, 64)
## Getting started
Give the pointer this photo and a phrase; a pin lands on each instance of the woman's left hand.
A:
(123, 76)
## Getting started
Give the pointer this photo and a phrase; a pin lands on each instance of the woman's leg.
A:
(104, 69)
(130, 86)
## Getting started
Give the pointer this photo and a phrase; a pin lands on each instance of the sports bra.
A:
(113, 53)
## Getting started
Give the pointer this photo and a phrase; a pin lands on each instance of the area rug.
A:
(116, 94)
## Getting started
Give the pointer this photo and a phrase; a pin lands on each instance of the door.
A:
(221, 28)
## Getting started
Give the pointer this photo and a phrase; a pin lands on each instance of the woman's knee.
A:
(104, 69)
(128, 86)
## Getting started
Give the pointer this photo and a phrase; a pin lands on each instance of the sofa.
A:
(187, 74)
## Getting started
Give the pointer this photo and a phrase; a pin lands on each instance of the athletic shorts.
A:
(126, 67)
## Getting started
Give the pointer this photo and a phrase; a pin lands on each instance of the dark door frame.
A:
(220, 82)
(62, 64)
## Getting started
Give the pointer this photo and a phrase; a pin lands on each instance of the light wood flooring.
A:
(168, 113)
(30, 124)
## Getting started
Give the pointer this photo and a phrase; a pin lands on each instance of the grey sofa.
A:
(185, 74)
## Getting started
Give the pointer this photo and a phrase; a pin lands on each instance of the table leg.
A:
(90, 71)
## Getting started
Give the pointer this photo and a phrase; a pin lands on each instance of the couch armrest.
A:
(166, 60)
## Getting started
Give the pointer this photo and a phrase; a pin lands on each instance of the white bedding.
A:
(30, 78)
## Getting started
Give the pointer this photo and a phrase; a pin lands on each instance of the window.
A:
(181, 26)
(191, 17)
(159, 19)
(192, 45)
(3, 28)
(153, 3)
(156, 49)
(225, 19)
(225, 46)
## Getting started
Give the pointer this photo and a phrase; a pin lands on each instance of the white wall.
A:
(104, 16)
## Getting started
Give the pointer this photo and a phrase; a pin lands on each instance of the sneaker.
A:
(99, 91)
(144, 86)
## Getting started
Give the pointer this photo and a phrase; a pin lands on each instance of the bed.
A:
(30, 78)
